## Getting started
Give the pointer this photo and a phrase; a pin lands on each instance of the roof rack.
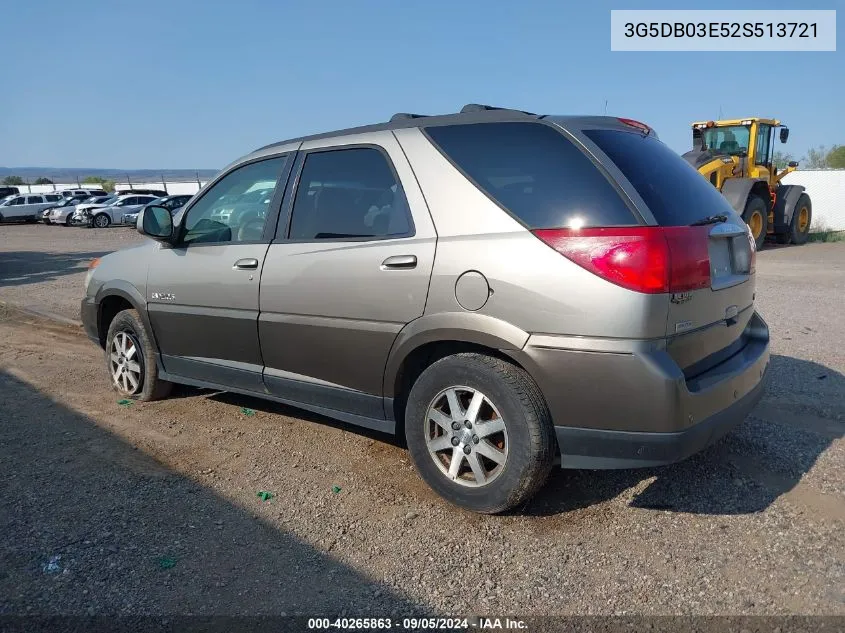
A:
(402, 116)
(478, 107)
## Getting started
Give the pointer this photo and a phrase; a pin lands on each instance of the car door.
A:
(15, 209)
(349, 269)
(202, 292)
(118, 210)
(34, 206)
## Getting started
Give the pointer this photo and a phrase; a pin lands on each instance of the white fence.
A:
(175, 188)
(826, 188)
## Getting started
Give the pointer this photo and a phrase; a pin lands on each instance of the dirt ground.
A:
(152, 508)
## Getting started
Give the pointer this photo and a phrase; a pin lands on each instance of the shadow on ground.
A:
(745, 472)
(18, 268)
(91, 525)
(742, 473)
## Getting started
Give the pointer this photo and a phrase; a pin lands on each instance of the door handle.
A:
(399, 262)
(249, 263)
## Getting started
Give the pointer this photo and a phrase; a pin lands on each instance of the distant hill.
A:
(71, 174)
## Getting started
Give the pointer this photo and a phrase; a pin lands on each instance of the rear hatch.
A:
(709, 246)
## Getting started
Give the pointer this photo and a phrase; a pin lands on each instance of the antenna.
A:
(720, 111)
(605, 107)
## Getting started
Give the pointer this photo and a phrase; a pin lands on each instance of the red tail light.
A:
(649, 259)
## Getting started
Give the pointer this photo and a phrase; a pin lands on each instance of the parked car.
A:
(172, 203)
(504, 289)
(63, 203)
(72, 193)
(8, 192)
(26, 208)
(84, 211)
(64, 214)
(158, 193)
(114, 212)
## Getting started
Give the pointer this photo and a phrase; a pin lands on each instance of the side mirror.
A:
(784, 134)
(793, 163)
(155, 222)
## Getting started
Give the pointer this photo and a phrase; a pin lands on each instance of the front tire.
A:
(802, 216)
(101, 221)
(479, 432)
(67, 221)
(756, 216)
(130, 359)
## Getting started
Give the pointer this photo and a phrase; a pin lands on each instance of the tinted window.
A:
(52, 198)
(34, 200)
(235, 208)
(17, 201)
(535, 173)
(348, 193)
(674, 191)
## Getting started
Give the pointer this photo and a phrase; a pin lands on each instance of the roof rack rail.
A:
(478, 107)
(401, 116)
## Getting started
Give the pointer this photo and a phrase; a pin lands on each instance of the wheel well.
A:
(109, 308)
(423, 357)
(761, 190)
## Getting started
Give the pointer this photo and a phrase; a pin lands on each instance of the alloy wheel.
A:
(466, 436)
(125, 363)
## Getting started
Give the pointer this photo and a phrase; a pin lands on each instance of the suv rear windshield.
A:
(535, 173)
(675, 193)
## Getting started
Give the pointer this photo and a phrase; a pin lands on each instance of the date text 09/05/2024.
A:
(418, 624)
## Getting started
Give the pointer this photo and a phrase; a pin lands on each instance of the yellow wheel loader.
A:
(736, 157)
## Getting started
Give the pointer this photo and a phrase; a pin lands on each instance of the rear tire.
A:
(131, 360)
(101, 221)
(802, 216)
(756, 216)
(67, 221)
(494, 462)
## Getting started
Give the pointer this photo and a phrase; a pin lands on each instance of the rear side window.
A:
(349, 193)
(535, 173)
(34, 200)
(674, 191)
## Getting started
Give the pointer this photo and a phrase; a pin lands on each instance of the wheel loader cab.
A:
(737, 157)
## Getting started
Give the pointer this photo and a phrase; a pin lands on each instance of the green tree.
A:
(13, 180)
(781, 159)
(43, 181)
(816, 157)
(107, 185)
(836, 157)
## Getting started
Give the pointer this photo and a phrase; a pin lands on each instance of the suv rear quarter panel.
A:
(533, 288)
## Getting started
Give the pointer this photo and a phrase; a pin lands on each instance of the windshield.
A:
(731, 139)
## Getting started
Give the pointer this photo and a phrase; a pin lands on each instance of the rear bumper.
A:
(602, 449)
(624, 404)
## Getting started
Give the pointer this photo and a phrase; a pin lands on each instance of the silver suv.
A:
(505, 290)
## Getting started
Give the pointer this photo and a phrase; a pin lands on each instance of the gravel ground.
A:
(152, 508)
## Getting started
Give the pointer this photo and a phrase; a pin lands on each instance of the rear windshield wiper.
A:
(710, 219)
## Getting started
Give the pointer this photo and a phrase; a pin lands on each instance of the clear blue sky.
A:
(187, 84)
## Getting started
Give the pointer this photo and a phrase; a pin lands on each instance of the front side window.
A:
(235, 208)
(16, 202)
(349, 193)
(535, 173)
